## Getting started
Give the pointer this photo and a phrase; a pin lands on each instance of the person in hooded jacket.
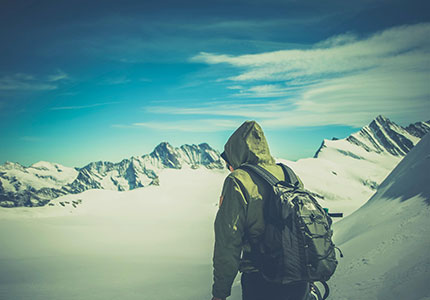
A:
(239, 221)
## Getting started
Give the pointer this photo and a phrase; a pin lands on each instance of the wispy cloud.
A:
(235, 87)
(266, 91)
(201, 125)
(345, 80)
(117, 80)
(122, 126)
(24, 82)
(243, 110)
(28, 82)
(59, 75)
(333, 57)
(74, 107)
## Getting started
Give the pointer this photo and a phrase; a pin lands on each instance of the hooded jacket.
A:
(239, 220)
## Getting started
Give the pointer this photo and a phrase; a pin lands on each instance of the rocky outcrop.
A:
(382, 136)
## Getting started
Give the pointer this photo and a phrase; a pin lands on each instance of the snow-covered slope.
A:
(21, 185)
(43, 181)
(41, 174)
(152, 243)
(386, 241)
(352, 168)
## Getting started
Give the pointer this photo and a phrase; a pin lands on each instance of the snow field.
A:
(38, 175)
(385, 247)
(150, 243)
(157, 242)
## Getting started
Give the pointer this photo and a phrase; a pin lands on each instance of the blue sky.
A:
(103, 80)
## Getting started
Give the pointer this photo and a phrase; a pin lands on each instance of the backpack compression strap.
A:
(267, 176)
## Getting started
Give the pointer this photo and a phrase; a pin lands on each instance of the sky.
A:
(83, 81)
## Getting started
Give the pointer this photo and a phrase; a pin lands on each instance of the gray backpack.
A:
(297, 242)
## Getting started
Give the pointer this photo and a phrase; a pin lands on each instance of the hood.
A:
(247, 145)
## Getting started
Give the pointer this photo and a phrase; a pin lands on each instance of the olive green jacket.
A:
(240, 216)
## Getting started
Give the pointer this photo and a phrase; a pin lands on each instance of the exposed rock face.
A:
(126, 175)
(38, 184)
(384, 136)
(201, 155)
(33, 186)
(166, 155)
(352, 168)
(419, 129)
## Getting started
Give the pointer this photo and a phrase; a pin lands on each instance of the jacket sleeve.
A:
(229, 230)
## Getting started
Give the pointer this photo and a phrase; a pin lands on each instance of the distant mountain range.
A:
(38, 184)
(351, 167)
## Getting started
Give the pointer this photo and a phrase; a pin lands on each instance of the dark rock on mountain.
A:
(419, 129)
(167, 155)
(384, 136)
(38, 184)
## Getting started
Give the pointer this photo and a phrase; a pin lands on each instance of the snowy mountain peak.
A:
(99, 166)
(167, 155)
(381, 136)
(390, 137)
(8, 165)
(43, 181)
(205, 146)
(43, 165)
(48, 166)
(163, 147)
(419, 129)
(382, 120)
(353, 168)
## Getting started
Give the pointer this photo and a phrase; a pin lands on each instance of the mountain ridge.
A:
(383, 135)
(352, 168)
(39, 183)
(368, 155)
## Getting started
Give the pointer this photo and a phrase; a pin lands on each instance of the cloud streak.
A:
(117, 80)
(77, 107)
(27, 82)
(58, 76)
(333, 57)
(24, 82)
(201, 125)
(344, 80)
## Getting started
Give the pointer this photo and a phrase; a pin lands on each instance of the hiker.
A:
(239, 220)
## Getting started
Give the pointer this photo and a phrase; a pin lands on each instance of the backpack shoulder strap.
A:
(260, 171)
(290, 175)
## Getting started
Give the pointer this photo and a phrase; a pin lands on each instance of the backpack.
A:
(297, 242)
